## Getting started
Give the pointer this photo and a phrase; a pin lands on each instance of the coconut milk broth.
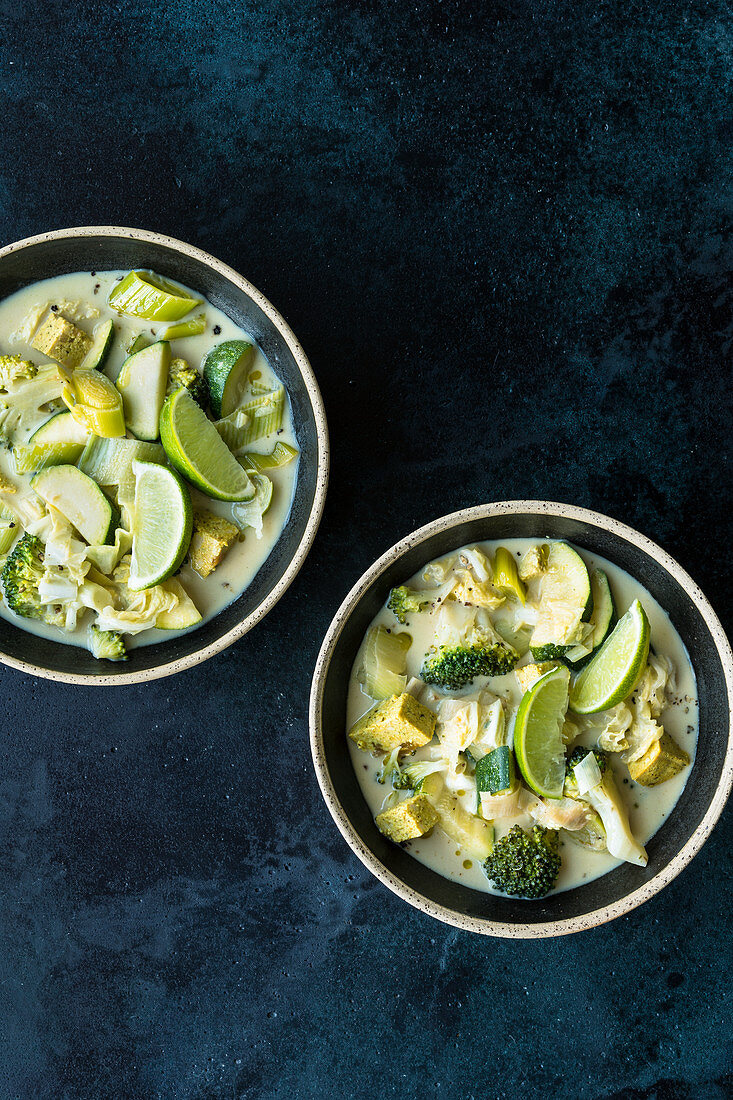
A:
(648, 807)
(245, 558)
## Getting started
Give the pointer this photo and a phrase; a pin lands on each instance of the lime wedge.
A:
(538, 744)
(142, 294)
(197, 451)
(614, 671)
(226, 369)
(162, 526)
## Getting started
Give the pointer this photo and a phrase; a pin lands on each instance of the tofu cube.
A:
(400, 720)
(407, 820)
(61, 340)
(661, 762)
(212, 537)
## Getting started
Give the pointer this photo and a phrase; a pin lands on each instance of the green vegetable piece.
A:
(103, 339)
(142, 381)
(404, 601)
(138, 343)
(226, 369)
(565, 601)
(183, 376)
(194, 327)
(21, 575)
(602, 618)
(107, 645)
(605, 799)
(35, 457)
(13, 368)
(525, 865)
(82, 502)
(385, 662)
(61, 427)
(473, 835)
(280, 455)
(453, 667)
(256, 419)
(143, 294)
(109, 461)
(495, 772)
(506, 577)
(9, 529)
(250, 513)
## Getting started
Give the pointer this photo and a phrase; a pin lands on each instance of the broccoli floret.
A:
(410, 777)
(13, 368)
(578, 754)
(21, 575)
(107, 645)
(183, 375)
(453, 667)
(523, 864)
(404, 601)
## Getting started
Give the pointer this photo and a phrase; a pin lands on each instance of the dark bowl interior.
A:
(694, 802)
(44, 258)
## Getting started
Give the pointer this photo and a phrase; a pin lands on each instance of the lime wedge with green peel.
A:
(142, 294)
(197, 451)
(614, 670)
(226, 369)
(538, 743)
(162, 526)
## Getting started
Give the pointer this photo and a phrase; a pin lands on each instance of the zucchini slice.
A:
(59, 428)
(81, 500)
(603, 618)
(95, 358)
(142, 381)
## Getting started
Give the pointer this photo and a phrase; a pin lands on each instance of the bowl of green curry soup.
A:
(163, 455)
(520, 719)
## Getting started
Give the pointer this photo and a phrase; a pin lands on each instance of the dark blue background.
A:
(505, 242)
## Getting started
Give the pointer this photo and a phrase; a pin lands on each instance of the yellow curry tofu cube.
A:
(661, 762)
(212, 537)
(407, 820)
(400, 720)
(61, 340)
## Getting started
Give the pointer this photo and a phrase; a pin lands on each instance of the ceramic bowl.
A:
(679, 838)
(94, 248)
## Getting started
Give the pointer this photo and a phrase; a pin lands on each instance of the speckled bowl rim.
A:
(419, 901)
(319, 413)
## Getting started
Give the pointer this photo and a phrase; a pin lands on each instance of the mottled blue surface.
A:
(505, 242)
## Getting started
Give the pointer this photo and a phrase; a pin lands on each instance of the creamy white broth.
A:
(245, 558)
(648, 807)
